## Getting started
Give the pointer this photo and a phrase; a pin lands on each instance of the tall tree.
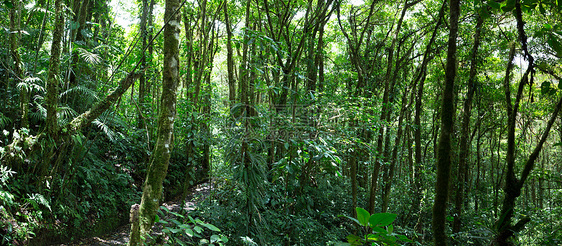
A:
(53, 78)
(419, 81)
(146, 14)
(15, 35)
(447, 114)
(464, 148)
(152, 188)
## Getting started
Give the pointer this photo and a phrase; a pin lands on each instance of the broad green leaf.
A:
(382, 219)
(351, 218)
(509, 5)
(224, 238)
(555, 44)
(189, 232)
(352, 238)
(545, 87)
(494, 5)
(198, 229)
(390, 229)
(362, 216)
(215, 238)
(211, 227)
(379, 230)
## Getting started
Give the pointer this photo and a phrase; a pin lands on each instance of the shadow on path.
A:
(120, 236)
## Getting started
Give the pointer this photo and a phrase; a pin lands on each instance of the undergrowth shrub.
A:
(88, 193)
(310, 219)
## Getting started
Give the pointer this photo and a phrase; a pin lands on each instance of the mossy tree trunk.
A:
(152, 188)
(81, 10)
(54, 71)
(15, 35)
(444, 146)
(146, 10)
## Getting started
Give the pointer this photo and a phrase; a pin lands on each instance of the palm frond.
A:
(65, 113)
(40, 114)
(31, 84)
(105, 128)
(79, 90)
(89, 57)
(4, 121)
(36, 84)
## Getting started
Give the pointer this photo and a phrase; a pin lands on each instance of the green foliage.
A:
(16, 226)
(381, 229)
(182, 229)
(306, 219)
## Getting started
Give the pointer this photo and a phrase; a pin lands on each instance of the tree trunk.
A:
(464, 149)
(229, 58)
(152, 188)
(513, 185)
(53, 78)
(447, 114)
(143, 81)
(15, 35)
(385, 112)
(81, 10)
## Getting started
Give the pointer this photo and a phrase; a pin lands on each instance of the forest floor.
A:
(120, 236)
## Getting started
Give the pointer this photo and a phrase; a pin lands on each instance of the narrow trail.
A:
(120, 236)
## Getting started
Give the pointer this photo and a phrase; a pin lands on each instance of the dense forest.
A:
(313, 122)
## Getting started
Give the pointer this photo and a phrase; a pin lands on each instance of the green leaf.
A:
(557, 144)
(494, 5)
(215, 238)
(157, 219)
(351, 218)
(352, 238)
(175, 230)
(362, 216)
(211, 227)
(189, 232)
(509, 5)
(403, 238)
(541, 9)
(382, 219)
(555, 44)
(8, 4)
(545, 88)
(224, 238)
(198, 229)
(379, 230)
(390, 229)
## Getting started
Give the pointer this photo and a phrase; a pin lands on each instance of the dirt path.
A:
(120, 236)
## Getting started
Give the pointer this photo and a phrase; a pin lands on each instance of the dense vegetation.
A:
(315, 122)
